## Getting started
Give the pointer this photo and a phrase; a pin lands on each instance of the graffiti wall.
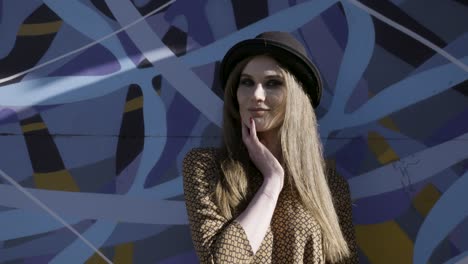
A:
(100, 100)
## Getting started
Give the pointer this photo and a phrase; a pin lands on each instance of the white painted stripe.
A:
(52, 213)
(410, 33)
(372, 12)
(85, 46)
(24, 191)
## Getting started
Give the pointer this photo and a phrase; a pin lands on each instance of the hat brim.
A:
(299, 65)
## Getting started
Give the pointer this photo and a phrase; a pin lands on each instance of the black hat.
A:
(287, 50)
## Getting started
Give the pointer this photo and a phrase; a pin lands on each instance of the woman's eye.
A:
(273, 83)
(246, 82)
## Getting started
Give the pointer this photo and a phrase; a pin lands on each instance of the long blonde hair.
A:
(302, 160)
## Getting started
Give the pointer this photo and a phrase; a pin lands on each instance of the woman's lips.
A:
(257, 109)
(256, 112)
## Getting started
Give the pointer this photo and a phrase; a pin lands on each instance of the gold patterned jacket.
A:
(293, 236)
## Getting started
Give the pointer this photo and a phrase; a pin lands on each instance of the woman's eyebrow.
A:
(268, 76)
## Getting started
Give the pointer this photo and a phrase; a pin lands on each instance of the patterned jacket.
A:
(293, 236)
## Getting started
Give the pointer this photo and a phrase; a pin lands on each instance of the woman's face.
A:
(262, 93)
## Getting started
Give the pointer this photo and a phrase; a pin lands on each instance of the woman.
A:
(264, 196)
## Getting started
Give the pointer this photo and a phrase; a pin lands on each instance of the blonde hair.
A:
(302, 160)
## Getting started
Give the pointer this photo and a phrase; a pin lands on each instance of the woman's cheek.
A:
(245, 117)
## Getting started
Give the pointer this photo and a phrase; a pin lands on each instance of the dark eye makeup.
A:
(274, 82)
(246, 81)
(268, 83)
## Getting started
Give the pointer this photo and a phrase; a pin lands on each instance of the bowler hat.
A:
(289, 53)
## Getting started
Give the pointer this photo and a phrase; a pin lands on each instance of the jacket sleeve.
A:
(215, 238)
(339, 189)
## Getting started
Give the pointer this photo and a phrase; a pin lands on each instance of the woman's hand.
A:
(262, 157)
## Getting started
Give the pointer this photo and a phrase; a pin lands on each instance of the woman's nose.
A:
(259, 92)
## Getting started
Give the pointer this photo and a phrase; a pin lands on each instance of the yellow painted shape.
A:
(58, 180)
(381, 148)
(385, 243)
(388, 123)
(425, 200)
(33, 127)
(123, 254)
(39, 29)
(134, 104)
(96, 259)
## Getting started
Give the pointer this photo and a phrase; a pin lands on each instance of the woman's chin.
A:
(260, 125)
(260, 128)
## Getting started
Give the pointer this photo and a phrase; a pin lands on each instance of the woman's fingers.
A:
(249, 136)
(253, 131)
